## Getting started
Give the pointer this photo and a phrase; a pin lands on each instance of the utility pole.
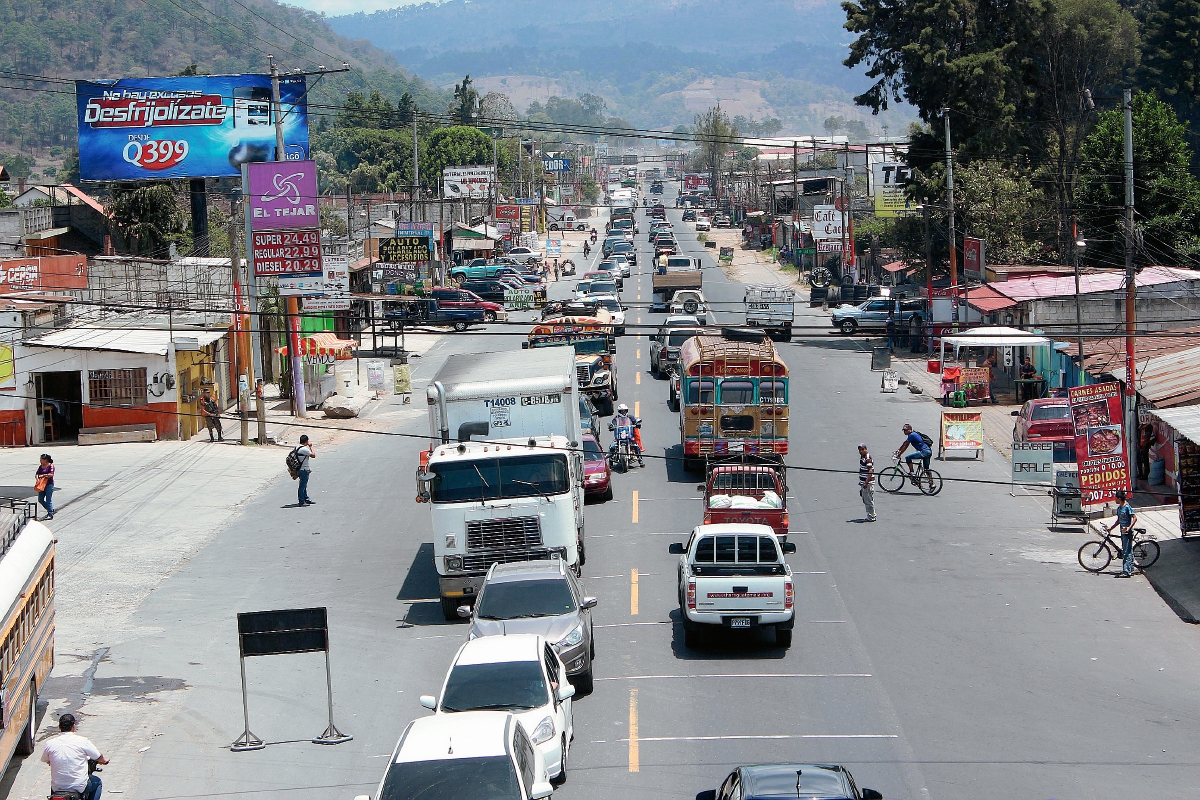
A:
(299, 409)
(794, 233)
(950, 208)
(928, 275)
(1078, 308)
(416, 171)
(1130, 292)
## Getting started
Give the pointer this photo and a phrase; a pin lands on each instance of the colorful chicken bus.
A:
(733, 398)
(595, 351)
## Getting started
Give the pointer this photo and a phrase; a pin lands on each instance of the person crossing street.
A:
(866, 480)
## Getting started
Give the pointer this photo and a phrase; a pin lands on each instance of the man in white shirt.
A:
(68, 755)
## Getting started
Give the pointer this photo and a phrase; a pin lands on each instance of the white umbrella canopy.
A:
(996, 337)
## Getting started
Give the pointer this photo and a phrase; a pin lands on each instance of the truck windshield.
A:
(500, 478)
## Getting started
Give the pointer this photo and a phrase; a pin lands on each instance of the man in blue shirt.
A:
(1126, 518)
(921, 450)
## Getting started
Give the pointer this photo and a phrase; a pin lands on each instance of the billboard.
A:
(508, 212)
(1099, 440)
(471, 182)
(406, 249)
(44, 273)
(973, 262)
(889, 182)
(202, 126)
(556, 164)
(283, 195)
(695, 183)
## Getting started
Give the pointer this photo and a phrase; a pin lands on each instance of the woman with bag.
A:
(44, 483)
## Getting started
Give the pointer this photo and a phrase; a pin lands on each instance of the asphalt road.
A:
(950, 650)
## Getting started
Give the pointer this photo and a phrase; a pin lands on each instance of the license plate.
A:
(739, 622)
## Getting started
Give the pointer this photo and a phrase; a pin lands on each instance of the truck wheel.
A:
(459, 279)
(460, 326)
(450, 608)
(787, 334)
(553, 226)
(848, 326)
(783, 638)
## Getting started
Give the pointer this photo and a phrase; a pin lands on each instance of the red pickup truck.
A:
(748, 494)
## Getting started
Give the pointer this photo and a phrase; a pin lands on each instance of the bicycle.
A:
(891, 479)
(1096, 555)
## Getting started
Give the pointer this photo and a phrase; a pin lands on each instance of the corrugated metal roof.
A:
(1185, 421)
(153, 341)
(1043, 287)
(987, 299)
(1167, 380)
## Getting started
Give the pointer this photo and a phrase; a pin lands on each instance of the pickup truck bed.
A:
(666, 284)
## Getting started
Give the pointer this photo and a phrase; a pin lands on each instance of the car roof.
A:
(545, 568)
(466, 734)
(501, 649)
(779, 780)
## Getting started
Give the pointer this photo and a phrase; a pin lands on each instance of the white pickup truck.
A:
(771, 308)
(734, 576)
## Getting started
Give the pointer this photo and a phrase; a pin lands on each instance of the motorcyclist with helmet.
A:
(623, 418)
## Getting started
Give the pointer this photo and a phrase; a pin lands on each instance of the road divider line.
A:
(753, 736)
(639, 354)
(634, 764)
(637, 378)
(637, 404)
(633, 592)
(739, 675)
(635, 505)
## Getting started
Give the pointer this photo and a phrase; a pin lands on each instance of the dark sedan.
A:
(794, 782)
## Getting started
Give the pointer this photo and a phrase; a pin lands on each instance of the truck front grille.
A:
(584, 373)
(482, 562)
(510, 533)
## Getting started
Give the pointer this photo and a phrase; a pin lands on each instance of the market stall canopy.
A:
(323, 344)
(998, 336)
(1185, 421)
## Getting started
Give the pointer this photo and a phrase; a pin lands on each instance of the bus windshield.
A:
(500, 478)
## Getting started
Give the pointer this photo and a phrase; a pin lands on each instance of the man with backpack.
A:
(298, 464)
(922, 448)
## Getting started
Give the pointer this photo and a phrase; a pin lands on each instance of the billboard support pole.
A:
(199, 216)
(299, 407)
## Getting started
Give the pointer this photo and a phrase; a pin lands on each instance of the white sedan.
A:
(524, 255)
(519, 673)
(703, 224)
(612, 305)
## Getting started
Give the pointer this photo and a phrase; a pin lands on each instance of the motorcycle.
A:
(69, 794)
(593, 235)
(587, 250)
(620, 454)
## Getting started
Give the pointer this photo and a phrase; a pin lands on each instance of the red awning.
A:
(895, 266)
(986, 299)
(325, 343)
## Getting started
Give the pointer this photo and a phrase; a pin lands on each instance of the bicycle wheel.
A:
(1145, 553)
(891, 479)
(930, 482)
(1094, 556)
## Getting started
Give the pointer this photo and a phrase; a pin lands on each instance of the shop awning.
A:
(1185, 421)
(998, 336)
(323, 344)
(986, 299)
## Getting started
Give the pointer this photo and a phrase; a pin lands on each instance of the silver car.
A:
(542, 597)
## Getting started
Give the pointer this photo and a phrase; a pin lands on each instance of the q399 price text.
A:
(287, 252)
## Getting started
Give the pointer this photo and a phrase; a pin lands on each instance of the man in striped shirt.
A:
(866, 481)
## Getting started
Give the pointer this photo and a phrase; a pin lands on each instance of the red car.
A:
(1048, 419)
(597, 479)
(448, 297)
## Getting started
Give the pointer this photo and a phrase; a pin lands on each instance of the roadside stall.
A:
(321, 355)
(972, 383)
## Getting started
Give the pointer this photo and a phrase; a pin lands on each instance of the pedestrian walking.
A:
(866, 481)
(306, 453)
(991, 364)
(212, 415)
(43, 481)
(891, 331)
(914, 333)
(1146, 439)
(1126, 518)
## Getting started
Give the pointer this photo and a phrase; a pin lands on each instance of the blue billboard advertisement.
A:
(203, 126)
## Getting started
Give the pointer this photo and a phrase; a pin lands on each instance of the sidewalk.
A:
(751, 266)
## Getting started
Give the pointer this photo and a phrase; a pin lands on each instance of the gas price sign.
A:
(287, 252)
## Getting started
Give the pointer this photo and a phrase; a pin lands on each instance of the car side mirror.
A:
(464, 612)
(1015, 413)
(429, 701)
(788, 547)
(675, 548)
(566, 692)
(589, 602)
(871, 794)
(540, 791)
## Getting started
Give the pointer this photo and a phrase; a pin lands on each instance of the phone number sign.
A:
(286, 252)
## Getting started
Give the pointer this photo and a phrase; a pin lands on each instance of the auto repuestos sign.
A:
(203, 126)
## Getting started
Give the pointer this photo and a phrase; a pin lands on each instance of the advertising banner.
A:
(554, 247)
(470, 182)
(508, 212)
(1187, 478)
(301, 285)
(973, 262)
(283, 195)
(402, 379)
(404, 273)
(695, 183)
(961, 431)
(889, 184)
(1099, 441)
(287, 253)
(1032, 462)
(414, 228)
(337, 275)
(556, 164)
(376, 369)
(519, 299)
(201, 126)
(326, 303)
(44, 272)
(406, 249)
(526, 219)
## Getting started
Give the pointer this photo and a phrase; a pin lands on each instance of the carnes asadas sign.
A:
(203, 126)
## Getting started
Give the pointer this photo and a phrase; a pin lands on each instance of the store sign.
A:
(202, 126)
(556, 164)
(827, 223)
(287, 252)
(554, 247)
(694, 183)
(508, 212)
(1032, 462)
(830, 246)
(283, 195)
(326, 303)
(474, 183)
(44, 272)
(962, 430)
(337, 274)
(889, 185)
(403, 273)
(519, 299)
(1187, 479)
(973, 262)
(1099, 441)
(305, 285)
(405, 249)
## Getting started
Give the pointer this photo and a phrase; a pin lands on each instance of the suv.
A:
(519, 672)
(485, 288)
(542, 597)
(624, 249)
(439, 755)
(873, 314)
(664, 347)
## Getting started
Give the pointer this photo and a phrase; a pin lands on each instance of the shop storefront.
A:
(322, 355)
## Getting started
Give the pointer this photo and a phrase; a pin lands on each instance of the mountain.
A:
(656, 62)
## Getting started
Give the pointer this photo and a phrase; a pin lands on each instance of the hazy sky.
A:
(336, 8)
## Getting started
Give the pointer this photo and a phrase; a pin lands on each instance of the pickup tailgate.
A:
(771, 517)
(738, 594)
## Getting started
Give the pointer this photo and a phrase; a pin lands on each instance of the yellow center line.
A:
(637, 408)
(635, 505)
(639, 354)
(633, 731)
(637, 378)
(633, 592)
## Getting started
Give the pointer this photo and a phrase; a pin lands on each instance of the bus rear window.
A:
(700, 391)
(739, 392)
(772, 392)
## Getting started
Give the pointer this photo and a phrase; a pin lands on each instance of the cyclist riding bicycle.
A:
(622, 418)
(922, 447)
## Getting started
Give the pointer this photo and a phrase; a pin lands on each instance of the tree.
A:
(371, 159)
(466, 102)
(715, 136)
(333, 221)
(375, 111)
(1000, 204)
(459, 146)
(70, 167)
(496, 107)
(149, 218)
(1171, 56)
(1166, 194)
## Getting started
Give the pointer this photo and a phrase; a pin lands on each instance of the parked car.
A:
(703, 224)
(525, 255)
(542, 598)
(611, 304)
(722, 221)
(476, 270)
(449, 298)
(1047, 420)
(437, 756)
(873, 314)
(794, 782)
(597, 476)
(518, 672)
(485, 288)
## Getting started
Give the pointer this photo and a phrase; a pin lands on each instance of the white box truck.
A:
(504, 471)
(772, 308)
